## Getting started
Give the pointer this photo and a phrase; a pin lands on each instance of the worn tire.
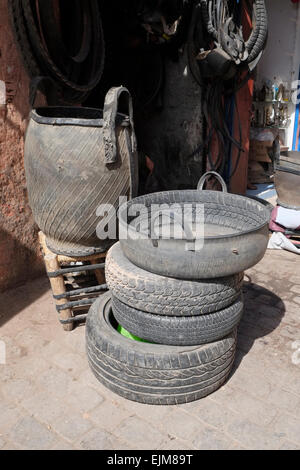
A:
(151, 373)
(178, 331)
(164, 295)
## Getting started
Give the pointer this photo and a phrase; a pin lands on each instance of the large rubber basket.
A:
(75, 160)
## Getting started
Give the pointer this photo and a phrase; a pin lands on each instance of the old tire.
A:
(178, 331)
(164, 295)
(151, 373)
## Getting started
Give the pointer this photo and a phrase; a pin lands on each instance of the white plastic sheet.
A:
(278, 241)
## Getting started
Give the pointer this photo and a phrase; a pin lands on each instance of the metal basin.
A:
(232, 237)
(287, 180)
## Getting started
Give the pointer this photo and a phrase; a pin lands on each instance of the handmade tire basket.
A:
(75, 160)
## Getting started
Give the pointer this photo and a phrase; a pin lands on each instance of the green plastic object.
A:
(126, 333)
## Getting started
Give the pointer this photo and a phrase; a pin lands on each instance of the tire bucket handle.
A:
(186, 229)
(217, 176)
(110, 111)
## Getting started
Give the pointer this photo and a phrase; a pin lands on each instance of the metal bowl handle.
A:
(217, 176)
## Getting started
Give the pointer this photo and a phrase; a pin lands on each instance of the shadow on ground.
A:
(18, 265)
(13, 301)
(263, 313)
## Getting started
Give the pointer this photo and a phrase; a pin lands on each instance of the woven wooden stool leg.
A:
(58, 288)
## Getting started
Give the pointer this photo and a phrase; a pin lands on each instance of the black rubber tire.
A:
(30, 61)
(21, 37)
(48, 63)
(164, 295)
(178, 331)
(150, 373)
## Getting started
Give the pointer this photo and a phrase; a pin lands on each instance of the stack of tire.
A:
(188, 328)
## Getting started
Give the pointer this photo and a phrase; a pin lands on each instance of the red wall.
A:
(19, 253)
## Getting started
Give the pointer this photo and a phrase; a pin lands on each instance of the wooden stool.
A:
(63, 272)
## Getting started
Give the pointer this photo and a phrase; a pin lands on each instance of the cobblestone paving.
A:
(49, 399)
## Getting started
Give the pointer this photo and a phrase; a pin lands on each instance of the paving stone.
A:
(245, 343)
(197, 404)
(87, 378)
(118, 444)
(75, 341)
(222, 394)
(13, 351)
(254, 437)
(2, 443)
(10, 446)
(52, 348)
(70, 362)
(295, 279)
(18, 389)
(262, 369)
(110, 414)
(62, 445)
(155, 415)
(177, 444)
(55, 381)
(295, 289)
(72, 425)
(288, 445)
(31, 435)
(31, 340)
(243, 404)
(140, 433)
(282, 399)
(288, 426)
(236, 446)
(213, 413)
(30, 366)
(296, 299)
(260, 386)
(97, 439)
(9, 415)
(82, 397)
(208, 438)
(181, 425)
(292, 384)
(291, 317)
(62, 384)
(290, 331)
(251, 331)
(45, 407)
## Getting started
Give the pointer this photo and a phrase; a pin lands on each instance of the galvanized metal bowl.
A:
(233, 236)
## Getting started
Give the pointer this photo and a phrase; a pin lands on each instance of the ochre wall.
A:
(19, 253)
